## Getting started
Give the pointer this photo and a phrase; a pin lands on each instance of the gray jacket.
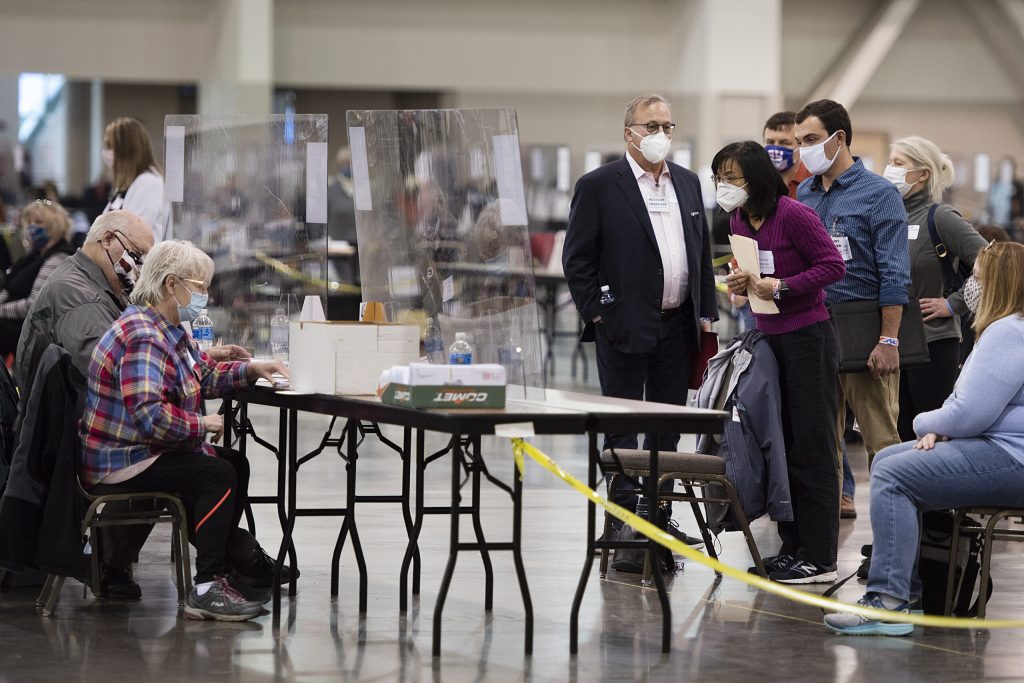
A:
(961, 241)
(74, 309)
(743, 378)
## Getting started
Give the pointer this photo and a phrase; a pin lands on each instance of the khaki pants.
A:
(876, 405)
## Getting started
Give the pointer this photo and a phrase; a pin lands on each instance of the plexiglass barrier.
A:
(442, 224)
(252, 193)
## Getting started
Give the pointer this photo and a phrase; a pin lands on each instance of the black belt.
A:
(669, 312)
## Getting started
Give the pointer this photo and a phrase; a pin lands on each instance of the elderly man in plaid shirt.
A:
(143, 429)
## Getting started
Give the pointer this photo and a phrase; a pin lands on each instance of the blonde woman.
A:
(968, 452)
(922, 174)
(45, 229)
(138, 185)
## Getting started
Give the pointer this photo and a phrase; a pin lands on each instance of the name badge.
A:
(767, 261)
(912, 231)
(842, 243)
(657, 204)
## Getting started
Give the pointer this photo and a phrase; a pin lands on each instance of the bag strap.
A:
(836, 586)
(948, 276)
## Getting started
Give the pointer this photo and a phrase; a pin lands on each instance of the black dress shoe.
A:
(258, 569)
(673, 528)
(117, 584)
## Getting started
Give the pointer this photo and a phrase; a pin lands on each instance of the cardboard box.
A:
(448, 397)
(331, 357)
(482, 374)
(428, 374)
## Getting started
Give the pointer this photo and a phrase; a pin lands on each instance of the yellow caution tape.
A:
(296, 274)
(721, 261)
(664, 538)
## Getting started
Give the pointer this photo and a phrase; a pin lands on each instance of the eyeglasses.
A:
(137, 253)
(200, 283)
(728, 179)
(653, 127)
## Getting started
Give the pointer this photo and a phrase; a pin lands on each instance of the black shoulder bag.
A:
(952, 278)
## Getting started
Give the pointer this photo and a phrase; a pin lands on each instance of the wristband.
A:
(889, 341)
(775, 288)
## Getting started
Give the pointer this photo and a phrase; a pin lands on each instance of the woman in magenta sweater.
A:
(798, 260)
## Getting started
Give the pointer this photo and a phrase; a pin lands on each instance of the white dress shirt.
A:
(666, 218)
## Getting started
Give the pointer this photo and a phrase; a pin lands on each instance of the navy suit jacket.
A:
(610, 241)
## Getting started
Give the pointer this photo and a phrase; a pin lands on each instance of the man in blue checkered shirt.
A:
(865, 216)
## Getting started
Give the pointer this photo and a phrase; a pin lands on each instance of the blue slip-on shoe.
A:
(855, 625)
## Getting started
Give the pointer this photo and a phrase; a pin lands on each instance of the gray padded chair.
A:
(693, 471)
(989, 533)
(169, 510)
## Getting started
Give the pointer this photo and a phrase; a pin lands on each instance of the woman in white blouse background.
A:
(138, 185)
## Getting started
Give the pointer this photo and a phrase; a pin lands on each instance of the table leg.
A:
(350, 515)
(574, 618)
(243, 413)
(654, 548)
(412, 551)
(286, 494)
(517, 555)
(478, 528)
(453, 543)
(339, 544)
(407, 457)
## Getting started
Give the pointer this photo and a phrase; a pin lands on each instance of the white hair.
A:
(174, 257)
(926, 154)
(114, 221)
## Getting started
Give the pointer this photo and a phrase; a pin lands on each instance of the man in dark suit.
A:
(637, 226)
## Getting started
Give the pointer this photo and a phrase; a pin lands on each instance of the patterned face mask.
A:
(972, 294)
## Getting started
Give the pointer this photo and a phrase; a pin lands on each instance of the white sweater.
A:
(145, 197)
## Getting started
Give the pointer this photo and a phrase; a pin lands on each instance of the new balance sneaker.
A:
(774, 563)
(673, 528)
(802, 571)
(854, 625)
(220, 603)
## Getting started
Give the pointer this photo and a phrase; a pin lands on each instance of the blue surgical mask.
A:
(782, 157)
(196, 303)
(37, 236)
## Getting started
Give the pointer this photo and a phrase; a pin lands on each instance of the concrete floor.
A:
(722, 630)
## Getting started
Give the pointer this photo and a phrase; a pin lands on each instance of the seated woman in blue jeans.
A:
(969, 452)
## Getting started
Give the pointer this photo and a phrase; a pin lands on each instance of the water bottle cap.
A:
(604, 288)
(460, 335)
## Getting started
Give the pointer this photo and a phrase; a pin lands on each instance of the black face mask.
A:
(127, 267)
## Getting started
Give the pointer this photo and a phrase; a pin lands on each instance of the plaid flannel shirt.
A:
(147, 379)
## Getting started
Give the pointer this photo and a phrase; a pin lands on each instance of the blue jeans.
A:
(849, 485)
(906, 482)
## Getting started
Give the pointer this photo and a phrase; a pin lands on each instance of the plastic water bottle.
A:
(461, 351)
(433, 343)
(202, 331)
(279, 336)
(607, 298)
(510, 355)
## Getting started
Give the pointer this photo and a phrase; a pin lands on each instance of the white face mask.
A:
(897, 175)
(730, 197)
(814, 156)
(655, 147)
(972, 294)
(108, 158)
